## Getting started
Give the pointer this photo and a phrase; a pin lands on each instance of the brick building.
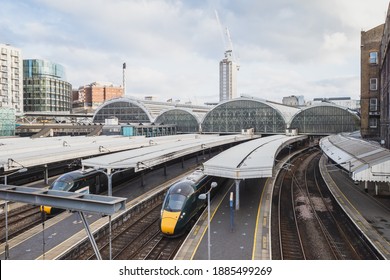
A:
(91, 96)
(385, 81)
(370, 82)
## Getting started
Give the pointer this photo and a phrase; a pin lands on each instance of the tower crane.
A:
(227, 43)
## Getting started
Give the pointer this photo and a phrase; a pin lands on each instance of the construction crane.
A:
(227, 43)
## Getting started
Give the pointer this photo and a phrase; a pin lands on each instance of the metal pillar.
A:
(231, 204)
(237, 194)
(46, 175)
(90, 236)
(109, 175)
(208, 226)
(6, 252)
(365, 187)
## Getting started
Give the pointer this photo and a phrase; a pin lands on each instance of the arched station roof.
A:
(186, 120)
(134, 110)
(243, 113)
(325, 119)
(125, 109)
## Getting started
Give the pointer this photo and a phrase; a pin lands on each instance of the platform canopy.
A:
(252, 159)
(156, 153)
(364, 161)
(16, 153)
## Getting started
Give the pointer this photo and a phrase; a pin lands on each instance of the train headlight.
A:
(182, 215)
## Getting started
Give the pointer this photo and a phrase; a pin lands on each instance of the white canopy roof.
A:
(16, 153)
(253, 159)
(365, 161)
(156, 154)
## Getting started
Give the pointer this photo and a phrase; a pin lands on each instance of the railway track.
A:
(160, 248)
(290, 242)
(19, 220)
(337, 239)
(138, 238)
(309, 222)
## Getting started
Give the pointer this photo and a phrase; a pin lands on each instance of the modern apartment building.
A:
(227, 78)
(91, 96)
(45, 87)
(370, 82)
(11, 78)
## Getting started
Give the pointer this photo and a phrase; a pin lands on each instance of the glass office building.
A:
(7, 122)
(45, 87)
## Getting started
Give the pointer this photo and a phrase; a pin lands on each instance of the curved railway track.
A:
(290, 242)
(309, 223)
(337, 239)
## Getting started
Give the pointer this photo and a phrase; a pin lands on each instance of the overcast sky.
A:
(172, 48)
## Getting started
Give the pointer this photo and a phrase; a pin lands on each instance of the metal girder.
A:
(91, 203)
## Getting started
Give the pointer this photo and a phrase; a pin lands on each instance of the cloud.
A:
(173, 48)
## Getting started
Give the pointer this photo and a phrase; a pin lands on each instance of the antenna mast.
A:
(124, 79)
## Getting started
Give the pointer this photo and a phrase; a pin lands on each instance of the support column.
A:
(90, 236)
(365, 187)
(376, 189)
(237, 194)
(46, 175)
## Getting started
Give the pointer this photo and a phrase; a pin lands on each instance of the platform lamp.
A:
(203, 196)
(6, 251)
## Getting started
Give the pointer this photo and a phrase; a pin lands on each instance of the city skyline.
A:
(172, 48)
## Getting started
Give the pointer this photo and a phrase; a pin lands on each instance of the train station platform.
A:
(370, 213)
(249, 238)
(247, 228)
(363, 190)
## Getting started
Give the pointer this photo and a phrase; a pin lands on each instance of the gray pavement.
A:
(234, 243)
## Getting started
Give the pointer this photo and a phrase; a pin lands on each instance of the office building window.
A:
(373, 84)
(373, 57)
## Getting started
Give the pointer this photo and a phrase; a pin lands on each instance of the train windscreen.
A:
(62, 185)
(175, 202)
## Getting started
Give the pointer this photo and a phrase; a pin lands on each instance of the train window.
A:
(175, 202)
(60, 185)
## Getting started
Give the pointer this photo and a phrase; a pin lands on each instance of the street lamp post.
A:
(203, 196)
(6, 251)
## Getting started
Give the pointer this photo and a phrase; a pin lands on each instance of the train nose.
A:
(46, 209)
(169, 221)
